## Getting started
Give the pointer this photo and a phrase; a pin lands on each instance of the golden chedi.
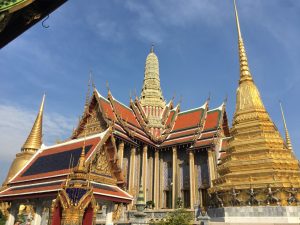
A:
(31, 145)
(259, 167)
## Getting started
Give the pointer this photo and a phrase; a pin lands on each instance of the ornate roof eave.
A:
(166, 112)
(200, 128)
(89, 105)
(141, 110)
(121, 121)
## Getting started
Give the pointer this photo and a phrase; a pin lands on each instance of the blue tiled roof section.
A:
(55, 162)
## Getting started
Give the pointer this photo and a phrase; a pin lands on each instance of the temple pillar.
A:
(174, 176)
(150, 177)
(211, 167)
(121, 153)
(156, 179)
(192, 178)
(144, 170)
(38, 214)
(12, 214)
(161, 183)
(200, 198)
(132, 171)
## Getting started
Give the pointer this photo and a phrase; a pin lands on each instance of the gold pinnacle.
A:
(287, 135)
(244, 68)
(34, 140)
(81, 161)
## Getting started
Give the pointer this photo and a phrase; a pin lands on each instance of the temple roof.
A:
(49, 168)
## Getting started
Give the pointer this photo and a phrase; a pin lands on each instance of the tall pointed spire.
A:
(152, 99)
(248, 97)
(151, 93)
(34, 140)
(87, 98)
(256, 150)
(244, 68)
(287, 135)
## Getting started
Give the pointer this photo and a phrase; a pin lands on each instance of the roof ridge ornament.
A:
(152, 48)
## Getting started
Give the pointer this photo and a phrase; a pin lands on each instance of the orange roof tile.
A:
(188, 119)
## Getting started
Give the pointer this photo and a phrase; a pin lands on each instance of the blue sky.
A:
(196, 43)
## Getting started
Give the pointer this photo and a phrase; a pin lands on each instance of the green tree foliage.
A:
(2, 218)
(178, 217)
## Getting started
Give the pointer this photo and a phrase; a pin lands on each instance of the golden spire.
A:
(244, 68)
(287, 135)
(87, 98)
(248, 97)
(34, 140)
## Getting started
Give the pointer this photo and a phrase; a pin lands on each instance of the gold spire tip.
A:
(34, 140)
(237, 20)
(152, 48)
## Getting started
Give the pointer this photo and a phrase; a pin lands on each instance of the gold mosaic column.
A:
(192, 178)
(174, 178)
(121, 153)
(144, 171)
(132, 170)
(156, 179)
(211, 166)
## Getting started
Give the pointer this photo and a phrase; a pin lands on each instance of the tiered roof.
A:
(197, 127)
(48, 170)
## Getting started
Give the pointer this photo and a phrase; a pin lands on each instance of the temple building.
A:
(173, 158)
(172, 154)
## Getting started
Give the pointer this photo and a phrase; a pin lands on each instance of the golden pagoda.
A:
(31, 145)
(257, 160)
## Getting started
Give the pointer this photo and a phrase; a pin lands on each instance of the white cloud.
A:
(16, 124)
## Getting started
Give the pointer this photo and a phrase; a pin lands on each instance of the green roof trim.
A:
(8, 4)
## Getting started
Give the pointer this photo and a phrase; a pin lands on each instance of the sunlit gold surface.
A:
(287, 135)
(32, 144)
(256, 156)
(34, 140)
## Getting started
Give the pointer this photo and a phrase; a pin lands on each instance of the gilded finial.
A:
(87, 98)
(225, 99)
(152, 48)
(287, 135)
(244, 68)
(180, 100)
(237, 21)
(81, 162)
(209, 97)
(34, 140)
